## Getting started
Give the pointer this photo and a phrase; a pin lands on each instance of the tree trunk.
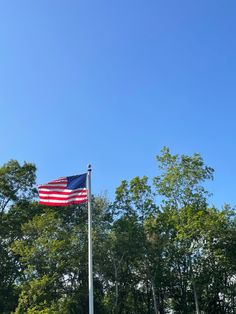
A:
(116, 268)
(156, 310)
(117, 289)
(194, 287)
(195, 297)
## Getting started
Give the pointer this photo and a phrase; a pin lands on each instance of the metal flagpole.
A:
(90, 246)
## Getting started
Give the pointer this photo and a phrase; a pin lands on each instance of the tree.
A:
(185, 200)
(158, 248)
(127, 259)
(180, 180)
(16, 183)
(16, 187)
(53, 255)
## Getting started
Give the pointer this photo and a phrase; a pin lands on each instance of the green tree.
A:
(180, 182)
(53, 255)
(127, 259)
(158, 248)
(16, 186)
(185, 202)
(16, 183)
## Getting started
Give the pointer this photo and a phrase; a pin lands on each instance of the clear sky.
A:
(111, 82)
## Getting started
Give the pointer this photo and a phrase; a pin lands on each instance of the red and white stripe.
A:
(55, 193)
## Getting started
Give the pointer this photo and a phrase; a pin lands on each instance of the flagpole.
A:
(90, 246)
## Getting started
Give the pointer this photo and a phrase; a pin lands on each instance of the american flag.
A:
(64, 191)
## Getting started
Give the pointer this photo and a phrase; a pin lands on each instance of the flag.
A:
(64, 191)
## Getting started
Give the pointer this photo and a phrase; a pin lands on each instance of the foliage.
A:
(158, 248)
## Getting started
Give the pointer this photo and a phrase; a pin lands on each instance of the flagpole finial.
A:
(89, 167)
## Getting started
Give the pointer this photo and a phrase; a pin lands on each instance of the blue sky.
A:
(111, 82)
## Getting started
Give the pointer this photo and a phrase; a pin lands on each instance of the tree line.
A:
(159, 247)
